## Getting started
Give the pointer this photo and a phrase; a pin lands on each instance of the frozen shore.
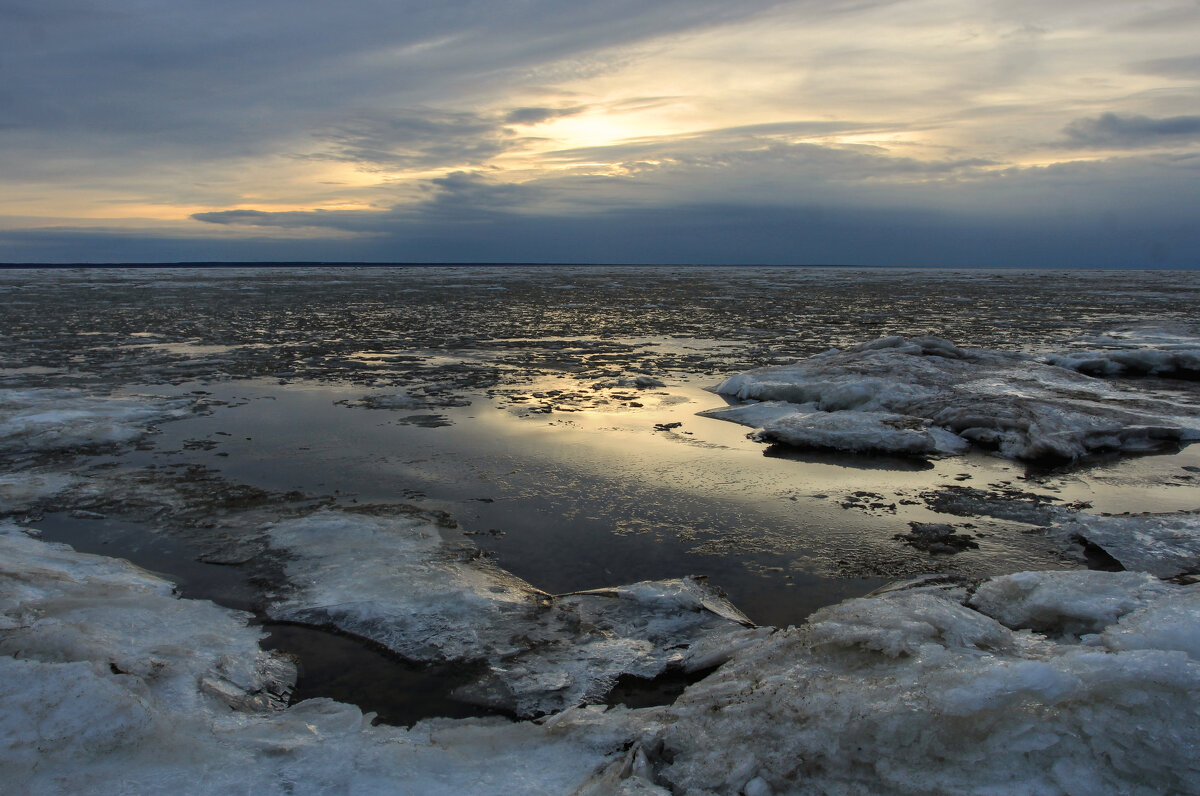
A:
(1037, 682)
(243, 444)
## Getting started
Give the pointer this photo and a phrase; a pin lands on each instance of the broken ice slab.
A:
(913, 691)
(1165, 545)
(1142, 351)
(112, 685)
(925, 396)
(394, 581)
(62, 606)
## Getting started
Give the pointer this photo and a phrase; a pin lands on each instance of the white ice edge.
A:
(395, 582)
(1043, 682)
(927, 397)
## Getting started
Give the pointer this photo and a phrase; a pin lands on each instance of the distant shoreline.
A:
(335, 264)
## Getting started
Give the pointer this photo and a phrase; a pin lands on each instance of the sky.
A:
(871, 132)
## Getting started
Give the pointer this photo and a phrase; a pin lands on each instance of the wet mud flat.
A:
(539, 426)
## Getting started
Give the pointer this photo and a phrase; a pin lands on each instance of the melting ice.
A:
(926, 396)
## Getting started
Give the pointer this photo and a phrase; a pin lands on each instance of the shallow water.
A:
(517, 423)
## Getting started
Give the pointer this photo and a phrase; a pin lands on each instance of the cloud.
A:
(1082, 213)
(812, 233)
(459, 197)
(526, 116)
(423, 138)
(1187, 66)
(417, 138)
(357, 221)
(1111, 130)
(236, 217)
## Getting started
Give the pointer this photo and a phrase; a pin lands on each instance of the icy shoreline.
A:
(1051, 682)
(1038, 682)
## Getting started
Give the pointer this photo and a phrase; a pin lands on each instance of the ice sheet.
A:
(394, 581)
(49, 420)
(60, 606)
(106, 683)
(1142, 351)
(913, 692)
(1165, 545)
(925, 396)
(111, 685)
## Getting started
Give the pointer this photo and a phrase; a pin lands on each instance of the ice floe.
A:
(915, 692)
(394, 581)
(111, 685)
(60, 606)
(1132, 362)
(1165, 545)
(1037, 682)
(925, 396)
(51, 420)
(1136, 352)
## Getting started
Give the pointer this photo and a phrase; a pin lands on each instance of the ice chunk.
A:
(60, 606)
(641, 382)
(1141, 351)
(111, 685)
(1131, 362)
(914, 692)
(757, 414)
(925, 396)
(853, 431)
(394, 581)
(1069, 604)
(45, 420)
(1161, 625)
(1165, 545)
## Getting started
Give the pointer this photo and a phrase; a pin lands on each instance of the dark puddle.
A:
(168, 557)
(353, 670)
(643, 692)
(872, 461)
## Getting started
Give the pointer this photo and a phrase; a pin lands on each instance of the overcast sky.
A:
(912, 132)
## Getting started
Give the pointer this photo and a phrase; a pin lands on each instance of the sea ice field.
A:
(599, 530)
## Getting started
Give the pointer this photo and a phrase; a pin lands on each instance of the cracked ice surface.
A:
(1037, 682)
(925, 396)
(61, 606)
(111, 685)
(915, 692)
(53, 420)
(1165, 545)
(395, 582)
